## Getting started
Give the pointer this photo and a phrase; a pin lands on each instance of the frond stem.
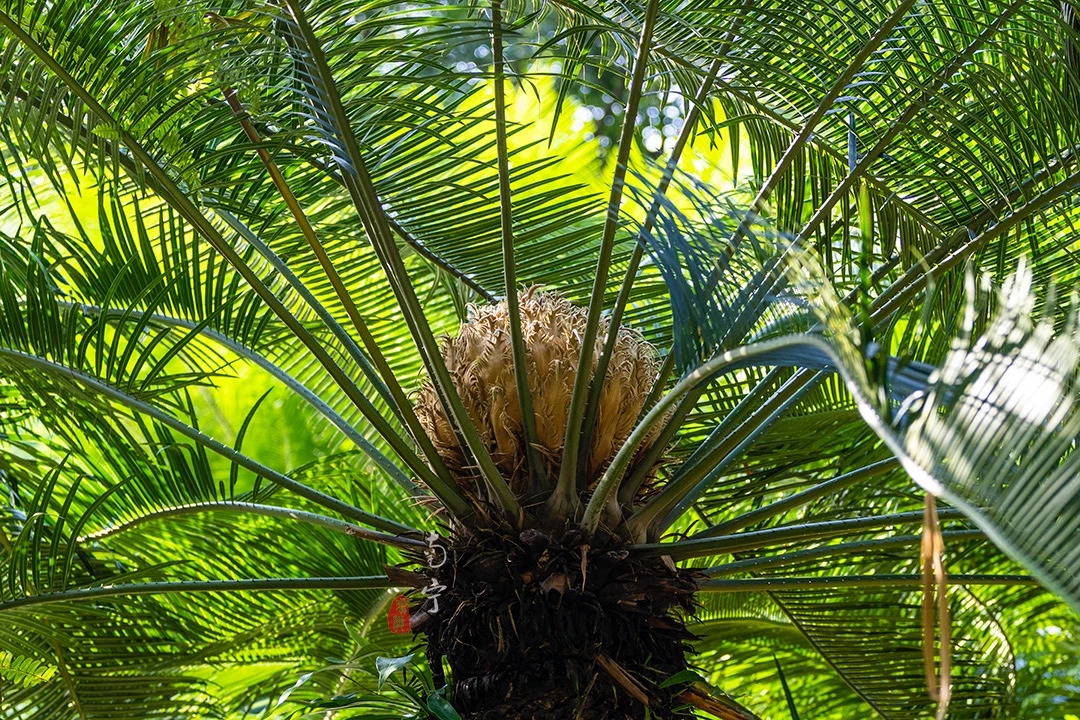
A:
(168, 190)
(209, 443)
(69, 682)
(565, 494)
(846, 581)
(592, 405)
(692, 479)
(731, 449)
(806, 496)
(897, 126)
(800, 556)
(397, 400)
(704, 545)
(810, 124)
(719, 449)
(360, 582)
(270, 367)
(365, 198)
(232, 506)
(743, 355)
(538, 480)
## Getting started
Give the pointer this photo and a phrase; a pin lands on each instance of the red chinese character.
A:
(398, 618)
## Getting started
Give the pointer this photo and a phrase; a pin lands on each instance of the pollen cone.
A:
(481, 365)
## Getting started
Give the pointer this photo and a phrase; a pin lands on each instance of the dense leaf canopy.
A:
(231, 232)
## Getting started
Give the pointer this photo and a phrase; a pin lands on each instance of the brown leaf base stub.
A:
(538, 627)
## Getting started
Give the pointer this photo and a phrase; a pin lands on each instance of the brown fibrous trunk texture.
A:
(537, 626)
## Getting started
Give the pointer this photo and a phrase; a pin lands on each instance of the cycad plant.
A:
(776, 421)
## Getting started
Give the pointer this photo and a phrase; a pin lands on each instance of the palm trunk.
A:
(535, 627)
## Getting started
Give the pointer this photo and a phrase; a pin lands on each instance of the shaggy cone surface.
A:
(528, 625)
(480, 361)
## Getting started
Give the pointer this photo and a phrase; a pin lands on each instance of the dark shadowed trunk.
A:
(540, 627)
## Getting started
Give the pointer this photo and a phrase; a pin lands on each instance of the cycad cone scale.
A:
(480, 362)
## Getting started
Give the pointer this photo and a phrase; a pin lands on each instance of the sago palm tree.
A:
(662, 447)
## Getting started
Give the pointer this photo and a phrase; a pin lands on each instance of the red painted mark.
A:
(398, 618)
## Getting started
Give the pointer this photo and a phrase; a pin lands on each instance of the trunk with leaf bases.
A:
(546, 621)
